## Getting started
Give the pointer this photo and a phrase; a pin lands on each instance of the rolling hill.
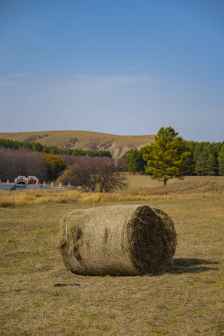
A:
(117, 144)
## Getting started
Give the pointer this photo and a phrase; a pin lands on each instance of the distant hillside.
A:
(117, 144)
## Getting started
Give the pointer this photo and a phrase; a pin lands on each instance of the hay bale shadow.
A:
(192, 265)
(61, 284)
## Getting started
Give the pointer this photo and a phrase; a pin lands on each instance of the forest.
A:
(38, 147)
(204, 159)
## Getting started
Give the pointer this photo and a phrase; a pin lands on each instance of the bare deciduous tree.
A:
(94, 174)
(21, 162)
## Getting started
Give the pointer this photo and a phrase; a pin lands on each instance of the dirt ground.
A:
(39, 297)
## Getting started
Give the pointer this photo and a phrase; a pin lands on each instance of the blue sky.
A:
(124, 67)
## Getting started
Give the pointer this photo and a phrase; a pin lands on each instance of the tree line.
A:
(89, 173)
(38, 147)
(198, 159)
(27, 163)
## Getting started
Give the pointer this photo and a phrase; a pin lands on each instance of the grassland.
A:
(39, 297)
(139, 188)
(117, 144)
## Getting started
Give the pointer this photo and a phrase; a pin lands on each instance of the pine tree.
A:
(206, 160)
(135, 161)
(166, 157)
(221, 161)
(189, 164)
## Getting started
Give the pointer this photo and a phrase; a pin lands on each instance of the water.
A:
(13, 186)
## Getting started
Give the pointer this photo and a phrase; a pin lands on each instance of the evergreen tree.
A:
(221, 161)
(206, 160)
(135, 161)
(37, 147)
(166, 157)
(189, 164)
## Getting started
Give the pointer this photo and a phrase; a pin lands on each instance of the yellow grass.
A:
(53, 137)
(140, 188)
(39, 297)
(145, 184)
(19, 198)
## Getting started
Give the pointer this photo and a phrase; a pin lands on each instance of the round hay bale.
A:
(118, 239)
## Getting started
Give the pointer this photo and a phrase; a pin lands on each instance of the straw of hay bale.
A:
(118, 239)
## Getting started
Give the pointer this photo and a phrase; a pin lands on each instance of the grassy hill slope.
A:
(117, 144)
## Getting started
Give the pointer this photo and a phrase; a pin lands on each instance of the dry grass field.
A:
(139, 188)
(39, 297)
